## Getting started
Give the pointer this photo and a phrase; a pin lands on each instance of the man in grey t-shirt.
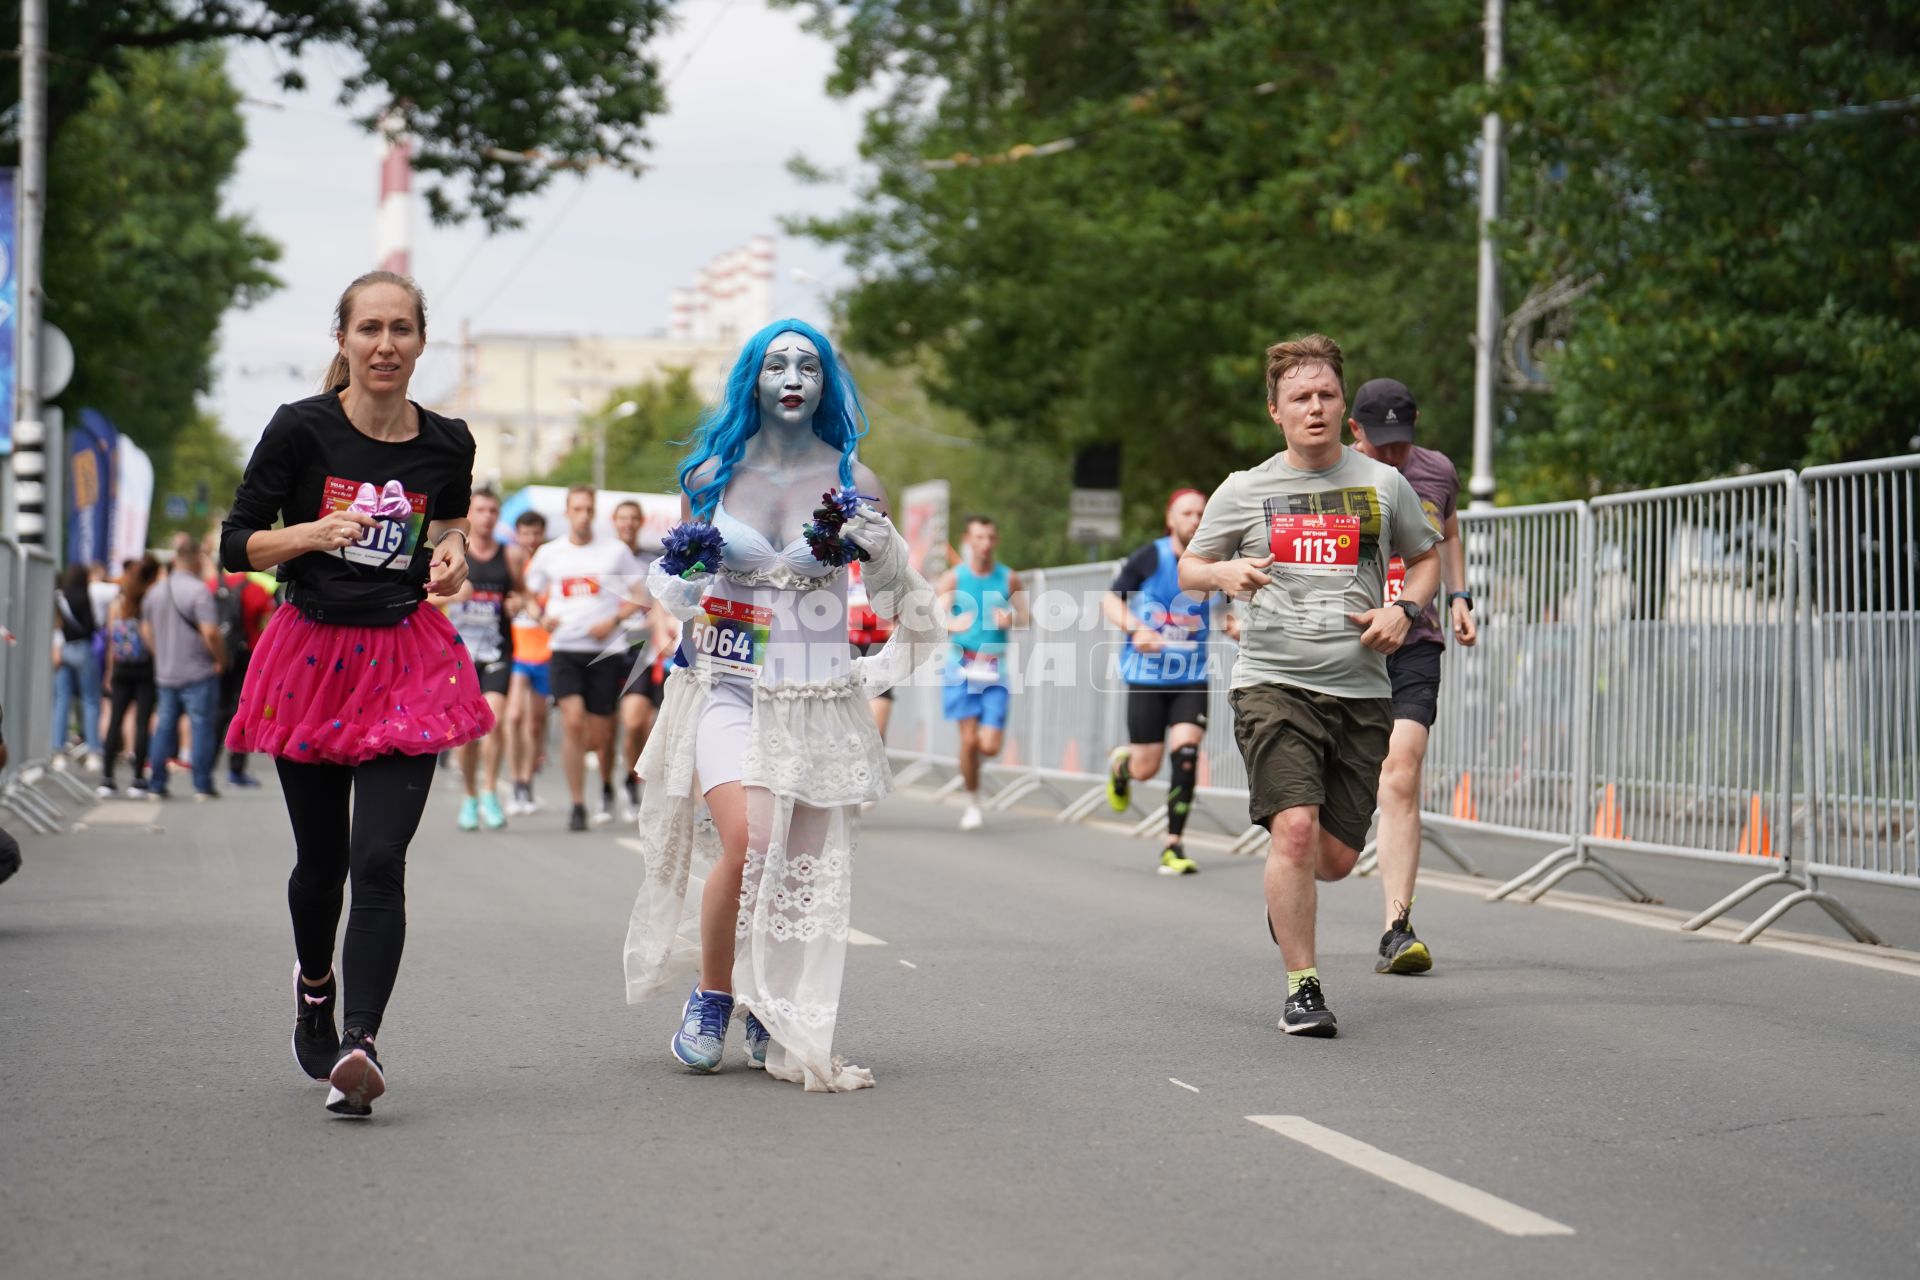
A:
(1306, 537)
(187, 657)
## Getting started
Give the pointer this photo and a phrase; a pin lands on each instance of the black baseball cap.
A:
(1386, 409)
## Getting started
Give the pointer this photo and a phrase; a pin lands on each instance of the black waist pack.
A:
(356, 604)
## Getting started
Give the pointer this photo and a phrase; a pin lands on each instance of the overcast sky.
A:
(596, 255)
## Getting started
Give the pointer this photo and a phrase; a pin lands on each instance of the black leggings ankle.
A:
(385, 798)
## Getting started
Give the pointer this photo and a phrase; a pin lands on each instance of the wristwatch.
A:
(1414, 612)
(1462, 595)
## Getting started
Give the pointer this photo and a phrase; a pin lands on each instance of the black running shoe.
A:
(577, 820)
(356, 1077)
(316, 1038)
(1306, 1013)
(1401, 952)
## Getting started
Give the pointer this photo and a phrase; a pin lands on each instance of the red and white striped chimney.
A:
(393, 224)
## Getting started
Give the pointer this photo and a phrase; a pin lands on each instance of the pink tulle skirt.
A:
(343, 695)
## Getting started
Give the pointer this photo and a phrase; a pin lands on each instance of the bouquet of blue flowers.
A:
(837, 506)
(691, 548)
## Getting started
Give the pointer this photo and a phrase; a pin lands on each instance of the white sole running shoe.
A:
(357, 1080)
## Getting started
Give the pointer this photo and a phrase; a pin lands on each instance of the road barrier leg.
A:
(1805, 890)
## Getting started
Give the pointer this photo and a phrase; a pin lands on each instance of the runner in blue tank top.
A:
(1164, 662)
(982, 601)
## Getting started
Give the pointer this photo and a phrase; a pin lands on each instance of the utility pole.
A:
(33, 496)
(1487, 329)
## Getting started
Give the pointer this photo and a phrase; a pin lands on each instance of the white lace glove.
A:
(678, 596)
(874, 534)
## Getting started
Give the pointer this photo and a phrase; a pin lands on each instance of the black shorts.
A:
(1415, 669)
(594, 680)
(496, 676)
(1154, 709)
(866, 650)
(1304, 747)
(645, 682)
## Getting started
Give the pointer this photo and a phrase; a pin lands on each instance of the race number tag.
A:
(398, 516)
(981, 668)
(1328, 544)
(1396, 578)
(730, 635)
(581, 586)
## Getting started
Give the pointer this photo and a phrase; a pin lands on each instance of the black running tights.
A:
(354, 822)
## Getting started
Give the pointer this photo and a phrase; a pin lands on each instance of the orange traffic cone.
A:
(1202, 776)
(1606, 823)
(1070, 758)
(1756, 840)
(1463, 805)
(1011, 753)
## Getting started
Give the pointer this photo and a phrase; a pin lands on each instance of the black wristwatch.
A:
(1462, 595)
(1414, 612)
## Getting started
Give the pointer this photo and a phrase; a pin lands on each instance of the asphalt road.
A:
(1068, 1050)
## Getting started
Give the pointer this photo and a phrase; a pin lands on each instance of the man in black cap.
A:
(1384, 416)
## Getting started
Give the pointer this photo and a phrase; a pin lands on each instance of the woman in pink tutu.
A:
(356, 689)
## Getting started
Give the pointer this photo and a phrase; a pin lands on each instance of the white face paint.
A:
(791, 379)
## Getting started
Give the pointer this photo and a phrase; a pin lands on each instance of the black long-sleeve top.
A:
(312, 460)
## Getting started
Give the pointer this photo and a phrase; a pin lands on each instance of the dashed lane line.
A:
(855, 938)
(1183, 1084)
(1484, 1208)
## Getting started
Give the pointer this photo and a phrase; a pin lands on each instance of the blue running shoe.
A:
(757, 1039)
(703, 1029)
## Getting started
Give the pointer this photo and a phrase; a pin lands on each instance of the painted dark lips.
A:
(793, 402)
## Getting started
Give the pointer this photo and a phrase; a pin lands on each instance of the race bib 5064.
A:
(730, 635)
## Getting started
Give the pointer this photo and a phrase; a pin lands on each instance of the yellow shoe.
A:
(1119, 780)
(1175, 862)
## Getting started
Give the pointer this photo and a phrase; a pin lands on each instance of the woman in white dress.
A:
(765, 714)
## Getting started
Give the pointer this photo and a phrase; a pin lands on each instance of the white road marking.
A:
(628, 842)
(910, 964)
(1183, 1084)
(1489, 1210)
(855, 938)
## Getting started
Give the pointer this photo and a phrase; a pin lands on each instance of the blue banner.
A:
(8, 305)
(90, 447)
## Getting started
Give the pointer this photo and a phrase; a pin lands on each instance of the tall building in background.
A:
(524, 395)
(393, 222)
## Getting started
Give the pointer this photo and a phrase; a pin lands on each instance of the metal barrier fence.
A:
(32, 786)
(1859, 676)
(1724, 672)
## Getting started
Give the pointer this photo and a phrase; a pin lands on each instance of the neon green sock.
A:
(1297, 976)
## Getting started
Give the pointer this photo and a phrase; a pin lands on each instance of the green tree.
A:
(201, 459)
(1237, 172)
(141, 262)
(1753, 295)
(499, 97)
(1087, 223)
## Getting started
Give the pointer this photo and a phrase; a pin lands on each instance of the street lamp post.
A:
(1487, 327)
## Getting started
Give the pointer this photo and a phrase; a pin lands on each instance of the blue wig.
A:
(723, 433)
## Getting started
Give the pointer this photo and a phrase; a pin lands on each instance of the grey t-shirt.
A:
(175, 608)
(1331, 533)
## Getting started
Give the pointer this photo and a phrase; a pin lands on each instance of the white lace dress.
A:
(811, 758)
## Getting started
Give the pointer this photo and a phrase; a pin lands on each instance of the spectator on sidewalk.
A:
(187, 658)
(130, 675)
(76, 680)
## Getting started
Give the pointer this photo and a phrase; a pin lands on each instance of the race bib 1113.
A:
(1324, 544)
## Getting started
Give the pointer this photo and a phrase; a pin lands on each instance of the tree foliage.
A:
(1755, 296)
(1237, 171)
(566, 83)
(141, 263)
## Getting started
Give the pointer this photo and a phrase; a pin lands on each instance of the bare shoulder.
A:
(871, 486)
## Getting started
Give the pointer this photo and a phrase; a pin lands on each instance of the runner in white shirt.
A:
(592, 585)
(640, 693)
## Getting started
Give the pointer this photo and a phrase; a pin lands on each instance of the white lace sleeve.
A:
(678, 596)
(900, 595)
